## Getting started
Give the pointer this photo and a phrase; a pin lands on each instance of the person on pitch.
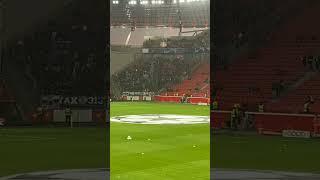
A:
(261, 107)
(215, 104)
(307, 104)
(244, 115)
(234, 117)
(68, 115)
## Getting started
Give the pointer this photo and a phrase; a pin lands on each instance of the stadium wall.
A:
(119, 35)
(120, 57)
(137, 98)
(87, 116)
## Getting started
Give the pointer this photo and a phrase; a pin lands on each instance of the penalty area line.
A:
(27, 137)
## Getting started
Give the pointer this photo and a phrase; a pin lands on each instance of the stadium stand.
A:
(170, 76)
(248, 80)
(279, 72)
(172, 39)
(138, 75)
(249, 30)
(198, 84)
(56, 56)
(57, 46)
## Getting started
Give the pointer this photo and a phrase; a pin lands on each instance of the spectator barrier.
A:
(176, 99)
(137, 98)
(273, 123)
(78, 116)
(198, 100)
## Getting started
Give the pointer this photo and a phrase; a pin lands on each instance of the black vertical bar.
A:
(212, 76)
(107, 47)
(2, 33)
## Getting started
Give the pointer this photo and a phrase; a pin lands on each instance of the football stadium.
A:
(265, 90)
(159, 112)
(53, 90)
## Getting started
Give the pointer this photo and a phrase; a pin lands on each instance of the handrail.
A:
(269, 113)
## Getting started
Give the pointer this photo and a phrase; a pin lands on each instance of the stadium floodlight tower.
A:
(133, 25)
(180, 17)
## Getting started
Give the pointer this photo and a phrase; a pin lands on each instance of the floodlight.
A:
(133, 2)
(144, 2)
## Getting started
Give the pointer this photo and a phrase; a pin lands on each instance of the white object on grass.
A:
(129, 138)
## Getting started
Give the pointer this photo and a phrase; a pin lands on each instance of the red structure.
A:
(196, 88)
(198, 84)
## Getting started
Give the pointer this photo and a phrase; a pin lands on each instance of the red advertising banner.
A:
(176, 99)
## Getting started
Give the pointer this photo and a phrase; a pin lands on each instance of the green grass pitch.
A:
(266, 153)
(169, 154)
(40, 149)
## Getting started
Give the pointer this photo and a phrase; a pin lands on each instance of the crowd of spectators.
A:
(154, 73)
(59, 58)
(64, 53)
(61, 53)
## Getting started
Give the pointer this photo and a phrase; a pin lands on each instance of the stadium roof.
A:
(165, 13)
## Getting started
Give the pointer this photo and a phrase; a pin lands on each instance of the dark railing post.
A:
(2, 33)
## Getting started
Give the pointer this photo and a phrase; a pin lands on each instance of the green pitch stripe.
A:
(42, 149)
(132, 108)
(168, 153)
(266, 153)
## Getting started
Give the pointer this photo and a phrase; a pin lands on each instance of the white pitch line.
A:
(26, 137)
(159, 119)
(239, 142)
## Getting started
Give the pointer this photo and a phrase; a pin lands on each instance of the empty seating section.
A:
(250, 77)
(271, 65)
(198, 84)
(294, 101)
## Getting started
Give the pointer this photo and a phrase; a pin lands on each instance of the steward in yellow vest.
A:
(215, 105)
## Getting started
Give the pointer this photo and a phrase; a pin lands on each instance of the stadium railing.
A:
(177, 99)
(198, 100)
